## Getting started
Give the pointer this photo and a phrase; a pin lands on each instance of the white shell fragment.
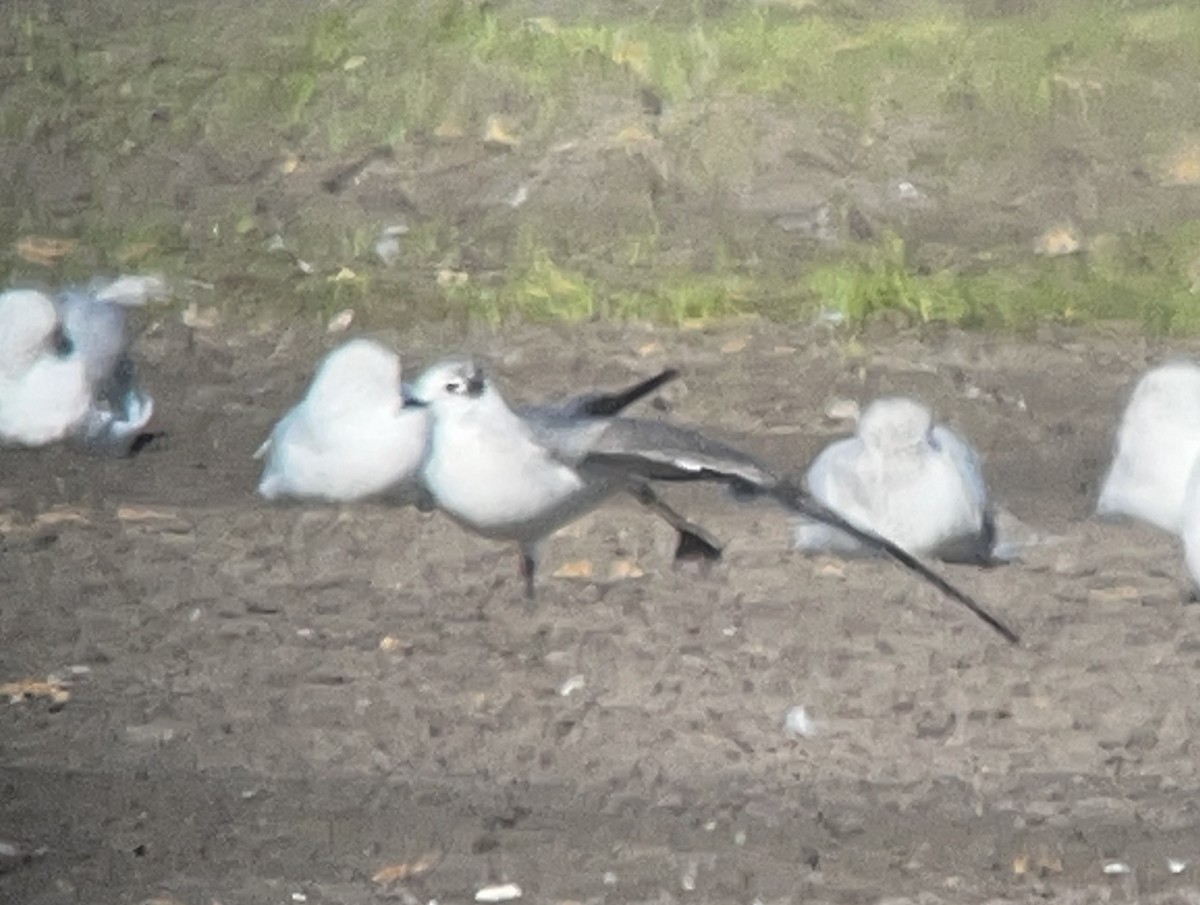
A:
(687, 877)
(1176, 865)
(798, 722)
(839, 409)
(1116, 868)
(341, 321)
(387, 246)
(133, 290)
(503, 892)
(570, 686)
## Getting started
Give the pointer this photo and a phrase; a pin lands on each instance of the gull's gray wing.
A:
(977, 548)
(657, 451)
(572, 439)
(96, 330)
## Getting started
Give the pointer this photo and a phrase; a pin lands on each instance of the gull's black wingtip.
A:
(792, 497)
(607, 405)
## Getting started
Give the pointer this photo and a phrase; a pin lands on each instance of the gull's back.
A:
(96, 328)
(351, 436)
(913, 482)
(1157, 444)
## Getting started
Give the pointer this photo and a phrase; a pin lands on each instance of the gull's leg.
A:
(695, 544)
(527, 567)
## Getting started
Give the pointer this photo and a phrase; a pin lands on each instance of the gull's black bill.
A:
(410, 398)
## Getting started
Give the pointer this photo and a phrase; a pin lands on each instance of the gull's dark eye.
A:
(453, 387)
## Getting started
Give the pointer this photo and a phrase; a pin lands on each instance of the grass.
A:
(329, 81)
(1149, 277)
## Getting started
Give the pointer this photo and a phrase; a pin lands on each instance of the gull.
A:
(1157, 445)
(352, 436)
(519, 477)
(906, 478)
(64, 371)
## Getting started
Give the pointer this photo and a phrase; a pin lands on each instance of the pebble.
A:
(798, 722)
(571, 685)
(504, 892)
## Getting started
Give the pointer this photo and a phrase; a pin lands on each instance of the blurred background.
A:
(989, 163)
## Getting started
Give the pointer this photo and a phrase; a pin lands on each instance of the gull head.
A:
(356, 375)
(30, 328)
(451, 382)
(896, 425)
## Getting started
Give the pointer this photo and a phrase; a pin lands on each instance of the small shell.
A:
(841, 410)
(341, 321)
(504, 892)
(798, 722)
(571, 685)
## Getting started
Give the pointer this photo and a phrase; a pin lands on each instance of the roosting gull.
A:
(64, 368)
(520, 476)
(906, 478)
(1157, 444)
(352, 436)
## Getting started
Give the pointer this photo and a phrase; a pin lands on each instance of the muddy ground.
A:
(273, 704)
(277, 702)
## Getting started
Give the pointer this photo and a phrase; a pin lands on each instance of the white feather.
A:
(1157, 445)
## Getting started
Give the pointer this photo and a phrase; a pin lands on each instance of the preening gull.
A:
(65, 371)
(352, 436)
